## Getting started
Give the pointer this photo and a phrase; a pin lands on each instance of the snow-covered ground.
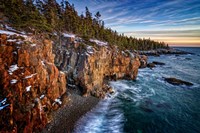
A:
(100, 43)
(28, 88)
(13, 81)
(7, 32)
(13, 68)
(30, 76)
(69, 35)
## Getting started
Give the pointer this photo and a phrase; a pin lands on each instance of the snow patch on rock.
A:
(43, 63)
(57, 100)
(12, 69)
(28, 88)
(11, 40)
(42, 96)
(7, 32)
(30, 76)
(33, 45)
(13, 81)
(100, 43)
(69, 35)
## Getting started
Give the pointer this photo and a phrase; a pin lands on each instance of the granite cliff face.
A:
(34, 86)
(30, 81)
(90, 67)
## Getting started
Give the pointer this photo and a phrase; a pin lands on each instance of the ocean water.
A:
(149, 104)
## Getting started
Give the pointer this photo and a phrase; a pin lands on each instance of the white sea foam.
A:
(101, 119)
(148, 95)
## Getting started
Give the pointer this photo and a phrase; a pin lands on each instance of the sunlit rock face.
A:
(90, 67)
(143, 61)
(31, 82)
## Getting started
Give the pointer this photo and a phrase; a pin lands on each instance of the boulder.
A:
(175, 81)
(151, 65)
(143, 61)
(158, 63)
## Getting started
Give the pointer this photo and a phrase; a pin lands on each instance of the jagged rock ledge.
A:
(89, 67)
(34, 86)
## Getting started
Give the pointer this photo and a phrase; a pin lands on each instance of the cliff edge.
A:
(90, 67)
(33, 87)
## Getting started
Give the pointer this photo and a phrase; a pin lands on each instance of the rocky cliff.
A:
(89, 67)
(30, 81)
(34, 87)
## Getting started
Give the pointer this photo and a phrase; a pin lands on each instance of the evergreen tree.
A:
(49, 16)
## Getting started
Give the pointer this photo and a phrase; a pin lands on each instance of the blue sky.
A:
(173, 21)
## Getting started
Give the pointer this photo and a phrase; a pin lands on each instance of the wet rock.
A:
(175, 81)
(158, 63)
(143, 61)
(151, 65)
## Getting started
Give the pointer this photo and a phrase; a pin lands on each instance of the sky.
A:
(176, 22)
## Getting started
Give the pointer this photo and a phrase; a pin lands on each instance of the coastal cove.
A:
(59, 84)
(150, 104)
(99, 66)
(132, 98)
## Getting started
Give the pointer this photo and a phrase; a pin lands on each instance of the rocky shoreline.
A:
(49, 85)
(35, 88)
(159, 52)
(65, 118)
(89, 66)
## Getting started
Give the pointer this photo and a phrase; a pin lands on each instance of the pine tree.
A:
(49, 16)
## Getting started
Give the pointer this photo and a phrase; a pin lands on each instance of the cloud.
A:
(170, 36)
(148, 18)
(168, 33)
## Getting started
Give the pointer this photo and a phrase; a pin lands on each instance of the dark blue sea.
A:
(149, 104)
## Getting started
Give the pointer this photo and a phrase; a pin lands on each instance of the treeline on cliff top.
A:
(48, 16)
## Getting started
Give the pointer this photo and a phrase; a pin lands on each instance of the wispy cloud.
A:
(161, 15)
(169, 36)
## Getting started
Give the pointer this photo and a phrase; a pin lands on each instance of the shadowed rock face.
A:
(175, 81)
(30, 81)
(91, 67)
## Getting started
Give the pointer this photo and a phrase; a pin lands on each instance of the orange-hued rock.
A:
(113, 65)
(30, 81)
(91, 67)
(143, 61)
